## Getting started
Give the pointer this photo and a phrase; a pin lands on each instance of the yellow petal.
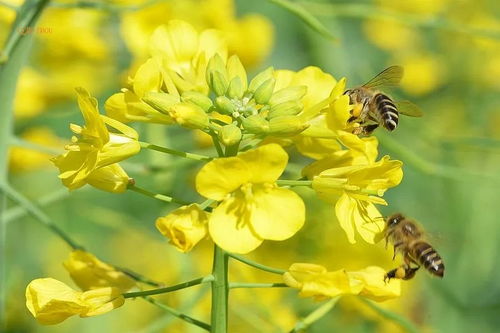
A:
(101, 300)
(277, 213)
(147, 78)
(266, 163)
(373, 285)
(93, 123)
(230, 229)
(330, 284)
(177, 42)
(344, 209)
(51, 301)
(111, 178)
(219, 177)
(369, 222)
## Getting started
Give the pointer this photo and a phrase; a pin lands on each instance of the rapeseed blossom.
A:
(252, 207)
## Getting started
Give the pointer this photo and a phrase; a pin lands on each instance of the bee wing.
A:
(408, 109)
(389, 77)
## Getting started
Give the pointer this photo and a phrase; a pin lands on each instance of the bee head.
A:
(394, 219)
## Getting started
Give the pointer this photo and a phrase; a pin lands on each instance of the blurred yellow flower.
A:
(252, 207)
(185, 226)
(96, 147)
(249, 36)
(390, 35)
(88, 272)
(51, 301)
(315, 281)
(355, 189)
(183, 53)
(26, 159)
(423, 73)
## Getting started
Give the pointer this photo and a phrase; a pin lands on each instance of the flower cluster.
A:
(255, 123)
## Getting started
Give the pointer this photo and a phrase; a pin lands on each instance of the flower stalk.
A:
(220, 291)
(179, 286)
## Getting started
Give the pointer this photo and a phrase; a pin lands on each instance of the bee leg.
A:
(368, 129)
(395, 249)
(403, 272)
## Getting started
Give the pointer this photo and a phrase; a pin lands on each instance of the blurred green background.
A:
(451, 54)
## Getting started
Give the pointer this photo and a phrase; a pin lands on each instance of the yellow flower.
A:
(51, 301)
(252, 207)
(111, 178)
(95, 147)
(185, 226)
(183, 53)
(315, 281)
(128, 105)
(88, 273)
(355, 189)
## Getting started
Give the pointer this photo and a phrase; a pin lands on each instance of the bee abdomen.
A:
(429, 258)
(387, 111)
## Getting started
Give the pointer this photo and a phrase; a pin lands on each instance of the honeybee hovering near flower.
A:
(373, 108)
(407, 239)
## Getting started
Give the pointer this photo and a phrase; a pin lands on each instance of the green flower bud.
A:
(260, 78)
(235, 69)
(265, 91)
(189, 115)
(197, 98)
(218, 83)
(288, 94)
(256, 124)
(216, 63)
(290, 108)
(160, 101)
(286, 126)
(235, 89)
(224, 105)
(230, 135)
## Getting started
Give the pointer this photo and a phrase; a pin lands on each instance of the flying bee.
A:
(373, 108)
(407, 239)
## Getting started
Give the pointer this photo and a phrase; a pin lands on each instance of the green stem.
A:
(234, 285)
(205, 204)
(403, 322)
(257, 265)
(216, 142)
(284, 182)
(179, 286)
(178, 314)
(157, 196)
(315, 315)
(138, 277)
(170, 151)
(39, 215)
(220, 291)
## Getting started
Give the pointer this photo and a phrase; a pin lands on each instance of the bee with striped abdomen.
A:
(373, 108)
(407, 239)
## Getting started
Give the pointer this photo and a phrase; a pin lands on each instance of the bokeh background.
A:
(451, 53)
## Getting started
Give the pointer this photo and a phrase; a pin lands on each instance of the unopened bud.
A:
(235, 89)
(218, 83)
(265, 91)
(197, 98)
(160, 101)
(290, 108)
(216, 63)
(260, 78)
(189, 115)
(256, 124)
(287, 94)
(224, 105)
(235, 69)
(230, 135)
(286, 125)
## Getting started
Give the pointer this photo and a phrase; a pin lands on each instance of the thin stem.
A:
(234, 285)
(205, 204)
(403, 322)
(40, 215)
(257, 265)
(216, 142)
(179, 286)
(138, 277)
(220, 291)
(171, 151)
(157, 196)
(315, 315)
(284, 182)
(178, 314)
